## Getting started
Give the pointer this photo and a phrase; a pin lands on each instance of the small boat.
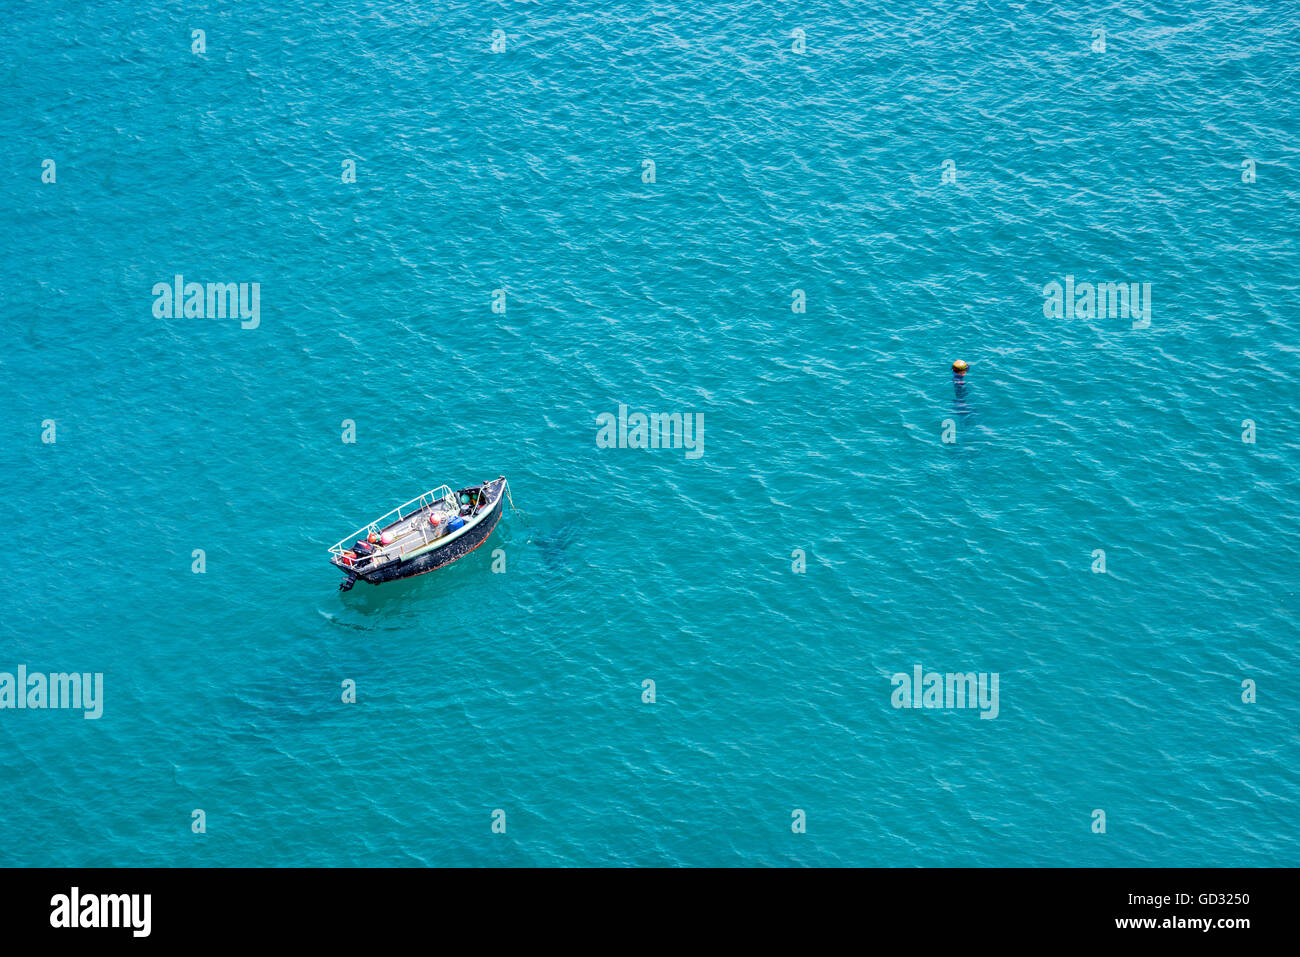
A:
(429, 531)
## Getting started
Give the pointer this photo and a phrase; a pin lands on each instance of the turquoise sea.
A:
(795, 146)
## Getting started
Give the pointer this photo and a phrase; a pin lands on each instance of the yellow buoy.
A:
(960, 367)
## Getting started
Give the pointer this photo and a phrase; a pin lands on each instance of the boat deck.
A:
(408, 526)
(415, 531)
(414, 544)
(409, 530)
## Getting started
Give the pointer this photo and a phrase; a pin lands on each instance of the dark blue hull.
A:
(484, 522)
(437, 557)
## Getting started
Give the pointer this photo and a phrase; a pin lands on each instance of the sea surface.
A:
(505, 269)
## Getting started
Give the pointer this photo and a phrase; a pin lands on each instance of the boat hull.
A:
(436, 558)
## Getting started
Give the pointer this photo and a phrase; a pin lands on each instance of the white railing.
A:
(402, 511)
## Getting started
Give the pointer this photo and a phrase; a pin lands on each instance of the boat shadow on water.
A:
(555, 546)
